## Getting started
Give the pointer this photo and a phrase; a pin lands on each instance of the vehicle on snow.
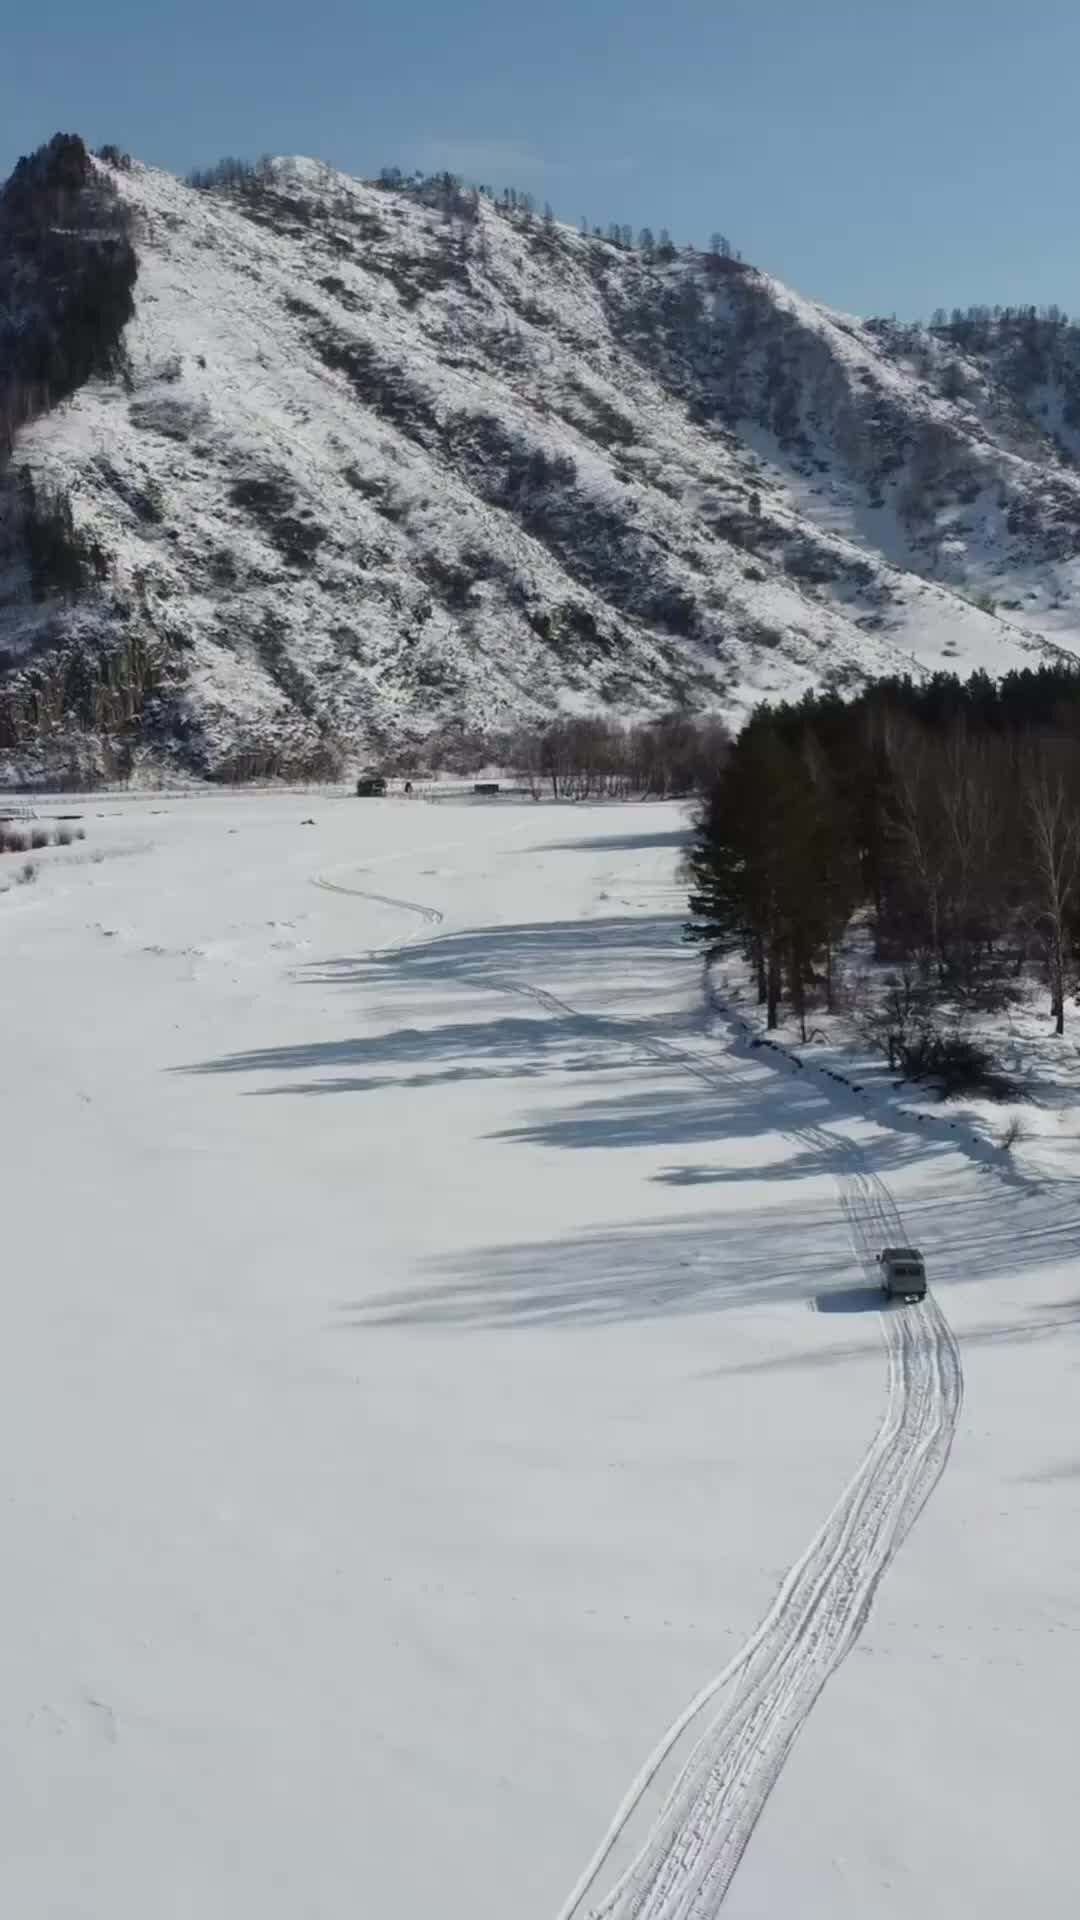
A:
(371, 786)
(903, 1273)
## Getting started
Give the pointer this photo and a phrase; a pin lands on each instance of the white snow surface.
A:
(442, 1361)
(378, 366)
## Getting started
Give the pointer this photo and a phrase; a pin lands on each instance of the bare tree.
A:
(1053, 824)
(891, 1020)
(976, 863)
(918, 836)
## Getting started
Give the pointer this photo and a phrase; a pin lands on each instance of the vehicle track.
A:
(690, 1854)
(427, 916)
(692, 1849)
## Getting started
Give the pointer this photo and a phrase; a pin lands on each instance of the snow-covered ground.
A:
(1032, 1124)
(436, 1349)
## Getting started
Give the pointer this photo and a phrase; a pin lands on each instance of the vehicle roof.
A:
(900, 1253)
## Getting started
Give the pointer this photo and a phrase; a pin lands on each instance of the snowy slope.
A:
(376, 467)
(434, 1354)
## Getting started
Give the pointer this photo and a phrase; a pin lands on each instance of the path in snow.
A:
(690, 1856)
(694, 1846)
(426, 916)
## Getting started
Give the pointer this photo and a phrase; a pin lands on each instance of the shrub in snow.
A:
(955, 1063)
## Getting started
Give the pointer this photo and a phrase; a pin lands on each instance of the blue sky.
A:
(884, 155)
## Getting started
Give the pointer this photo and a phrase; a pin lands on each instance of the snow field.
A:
(411, 1401)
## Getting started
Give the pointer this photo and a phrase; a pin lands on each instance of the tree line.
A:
(979, 327)
(456, 198)
(941, 817)
(587, 758)
(579, 756)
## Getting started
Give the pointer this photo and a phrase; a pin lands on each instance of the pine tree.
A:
(774, 874)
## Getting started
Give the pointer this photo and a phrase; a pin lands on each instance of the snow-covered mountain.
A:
(379, 460)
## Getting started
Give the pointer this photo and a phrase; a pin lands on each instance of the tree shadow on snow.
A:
(621, 842)
(643, 1271)
(1049, 1476)
(608, 955)
(665, 1101)
(986, 1334)
(787, 1250)
(669, 1109)
(510, 1044)
(487, 955)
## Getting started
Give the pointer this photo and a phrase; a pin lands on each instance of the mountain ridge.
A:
(379, 463)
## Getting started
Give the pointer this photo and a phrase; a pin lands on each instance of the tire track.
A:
(690, 1856)
(427, 917)
(693, 1848)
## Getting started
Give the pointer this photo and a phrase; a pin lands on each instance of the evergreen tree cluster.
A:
(945, 815)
